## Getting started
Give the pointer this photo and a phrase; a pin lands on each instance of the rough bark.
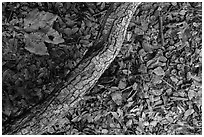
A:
(53, 111)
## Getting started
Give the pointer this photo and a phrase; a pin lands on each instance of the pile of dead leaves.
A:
(42, 43)
(152, 87)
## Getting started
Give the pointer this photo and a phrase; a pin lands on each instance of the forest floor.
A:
(152, 87)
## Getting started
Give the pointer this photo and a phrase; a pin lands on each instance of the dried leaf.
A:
(129, 123)
(115, 115)
(120, 112)
(87, 37)
(75, 119)
(188, 112)
(157, 79)
(191, 94)
(170, 119)
(69, 22)
(145, 123)
(88, 23)
(182, 12)
(84, 42)
(122, 84)
(162, 59)
(129, 35)
(68, 31)
(97, 117)
(104, 131)
(55, 35)
(126, 72)
(153, 123)
(74, 30)
(7, 109)
(159, 71)
(134, 86)
(143, 68)
(117, 97)
(147, 47)
(36, 20)
(145, 86)
(174, 79)
(35, 43)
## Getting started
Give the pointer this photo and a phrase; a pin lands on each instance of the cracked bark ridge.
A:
(46, 116)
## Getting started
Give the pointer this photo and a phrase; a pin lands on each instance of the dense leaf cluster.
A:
(152, 87)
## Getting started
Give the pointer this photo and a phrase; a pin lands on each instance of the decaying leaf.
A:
(122, 84)
(39, 20)
(191, 94)
(35, 43)
(156, 92)
(56, 37)
(188, 112)
(117, 97)
(159, 71)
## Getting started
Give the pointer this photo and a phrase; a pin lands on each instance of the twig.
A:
(169, 84)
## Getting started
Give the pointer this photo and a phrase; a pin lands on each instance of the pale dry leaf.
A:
(134, 86)
(122, 84)
(35, 44)
(191, 94)
(104, 131)
(188, 112)
(36, 20)
(117, 97)
(159, 71)
(57, 38)
(115, 115)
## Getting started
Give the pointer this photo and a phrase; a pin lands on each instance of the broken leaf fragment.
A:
(55, 37)
(117, 97)
(34, 43)
(159, 71)
(39, 20)
(122, 84)
(188, 112)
